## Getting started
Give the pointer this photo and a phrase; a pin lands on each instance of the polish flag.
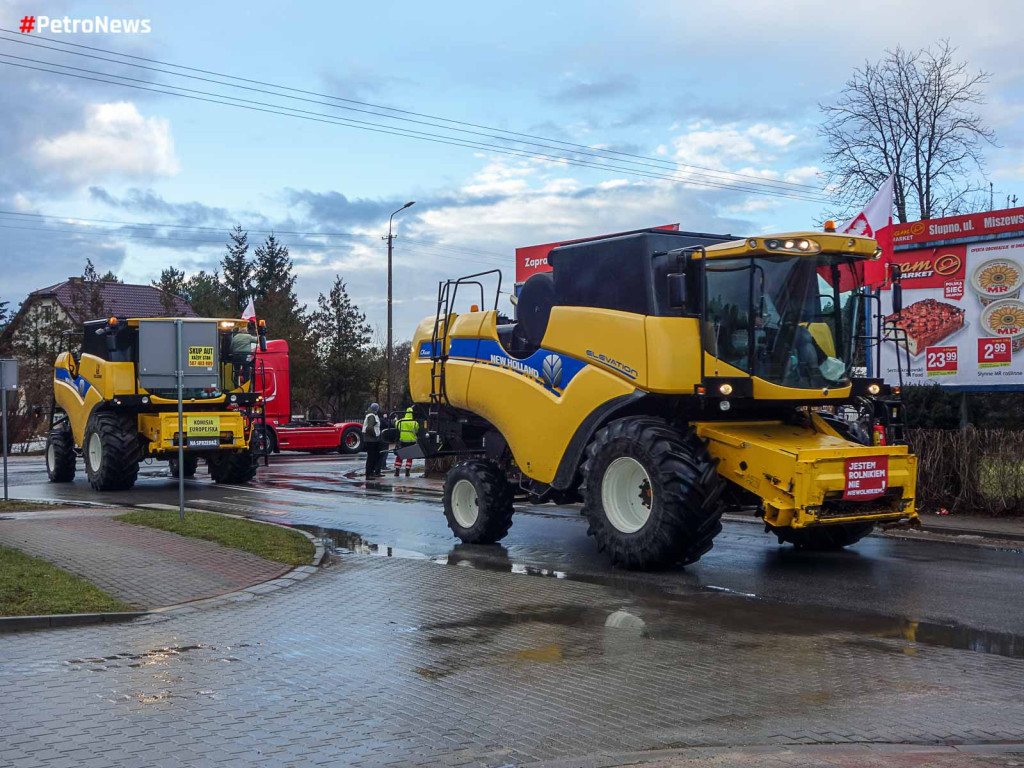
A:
(249, 313)
(875, 221)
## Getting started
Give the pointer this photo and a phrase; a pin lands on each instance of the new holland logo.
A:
(551, 370)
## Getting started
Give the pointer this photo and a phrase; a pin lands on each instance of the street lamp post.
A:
(390, 238)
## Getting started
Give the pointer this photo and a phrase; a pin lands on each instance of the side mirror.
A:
(677, 290)
(897, 298)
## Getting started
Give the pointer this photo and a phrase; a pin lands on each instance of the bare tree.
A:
(911, 114)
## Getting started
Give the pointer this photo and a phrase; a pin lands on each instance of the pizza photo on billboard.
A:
(926, 323)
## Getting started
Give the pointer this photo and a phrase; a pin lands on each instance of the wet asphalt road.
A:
(964, 596)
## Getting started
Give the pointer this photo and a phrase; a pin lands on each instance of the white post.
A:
(180, 371)
(3, 405)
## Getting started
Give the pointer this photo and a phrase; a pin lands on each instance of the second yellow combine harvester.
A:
(103, 413)
(658, 380)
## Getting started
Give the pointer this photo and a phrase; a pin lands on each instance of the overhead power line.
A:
(395, 114)
(162, 225)
(278, 109)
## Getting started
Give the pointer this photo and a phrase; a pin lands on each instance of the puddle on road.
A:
(657, 612)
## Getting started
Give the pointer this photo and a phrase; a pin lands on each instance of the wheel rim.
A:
(351, 440)
(51, 457)
(465, 505)
(626, 494)
(95, 452)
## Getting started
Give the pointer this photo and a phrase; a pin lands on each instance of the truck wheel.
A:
(478, 502)
(191, 464)
(351, 441)
(652, 495)
(60, 454)
(236, 467)
(111, 451)
(823, 538)
(264, 441)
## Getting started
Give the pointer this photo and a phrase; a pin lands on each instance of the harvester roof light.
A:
(752, 243)
(474, 308)
(830, 226)
(793, 245)
(226, 324)
(874, 389)
(263, 323)
(112, 321)
(725, 389)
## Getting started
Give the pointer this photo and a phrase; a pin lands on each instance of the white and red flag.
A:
(249, 313)
(875, 221)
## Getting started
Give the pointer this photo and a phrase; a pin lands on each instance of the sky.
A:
(729, 87)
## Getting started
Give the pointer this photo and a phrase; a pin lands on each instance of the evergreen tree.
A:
(5, 315)
(206, 295)
(274, 295)
(236, 271)
(87, 293)
(341, 336)
(172, 286)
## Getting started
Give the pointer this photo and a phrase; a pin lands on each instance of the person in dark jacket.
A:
(371, 438)
(385, 442)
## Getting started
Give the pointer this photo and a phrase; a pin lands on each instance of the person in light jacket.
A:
(408, 428)
(371, 437)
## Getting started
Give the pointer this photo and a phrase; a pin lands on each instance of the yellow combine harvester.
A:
(658, 381)
(102, 412)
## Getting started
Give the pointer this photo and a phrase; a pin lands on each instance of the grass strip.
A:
(30, 586)
(271, 542)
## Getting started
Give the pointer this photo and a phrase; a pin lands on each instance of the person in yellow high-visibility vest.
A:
(408, 428)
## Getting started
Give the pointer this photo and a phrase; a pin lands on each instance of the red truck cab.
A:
(273, 381)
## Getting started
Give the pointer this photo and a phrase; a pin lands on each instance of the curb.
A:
(22, 623)
(288, 578)
(823, 752)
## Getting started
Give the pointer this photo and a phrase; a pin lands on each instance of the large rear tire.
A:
(823, 538)
(351, 441)
(652, 495)
(478, 502)
(191, 464)
(111, 451)
(235, 468)
(60, 454)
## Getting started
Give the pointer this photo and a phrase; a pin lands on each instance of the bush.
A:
(970, 471)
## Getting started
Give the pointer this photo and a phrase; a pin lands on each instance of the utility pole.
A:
(391, 238)
(991, 196)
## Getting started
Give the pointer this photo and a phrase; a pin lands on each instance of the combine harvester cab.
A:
(659, 380)
(102, 412)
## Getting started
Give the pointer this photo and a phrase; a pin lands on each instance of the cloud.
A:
(148, 202)
(579, 91)
(116, 140)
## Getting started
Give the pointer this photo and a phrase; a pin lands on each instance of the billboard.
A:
(963, 312)
(534, 258)
(955, 227)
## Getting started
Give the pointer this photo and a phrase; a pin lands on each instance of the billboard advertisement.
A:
(963, 314)
(534, 258)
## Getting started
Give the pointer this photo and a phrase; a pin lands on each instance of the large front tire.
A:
(823, 538)
(111, 451)
(60, 454)
(235, 468)
(652, 495)
(478, 502)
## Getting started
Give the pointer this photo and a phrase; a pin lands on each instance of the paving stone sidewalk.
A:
(407, 662)
(143, 567)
